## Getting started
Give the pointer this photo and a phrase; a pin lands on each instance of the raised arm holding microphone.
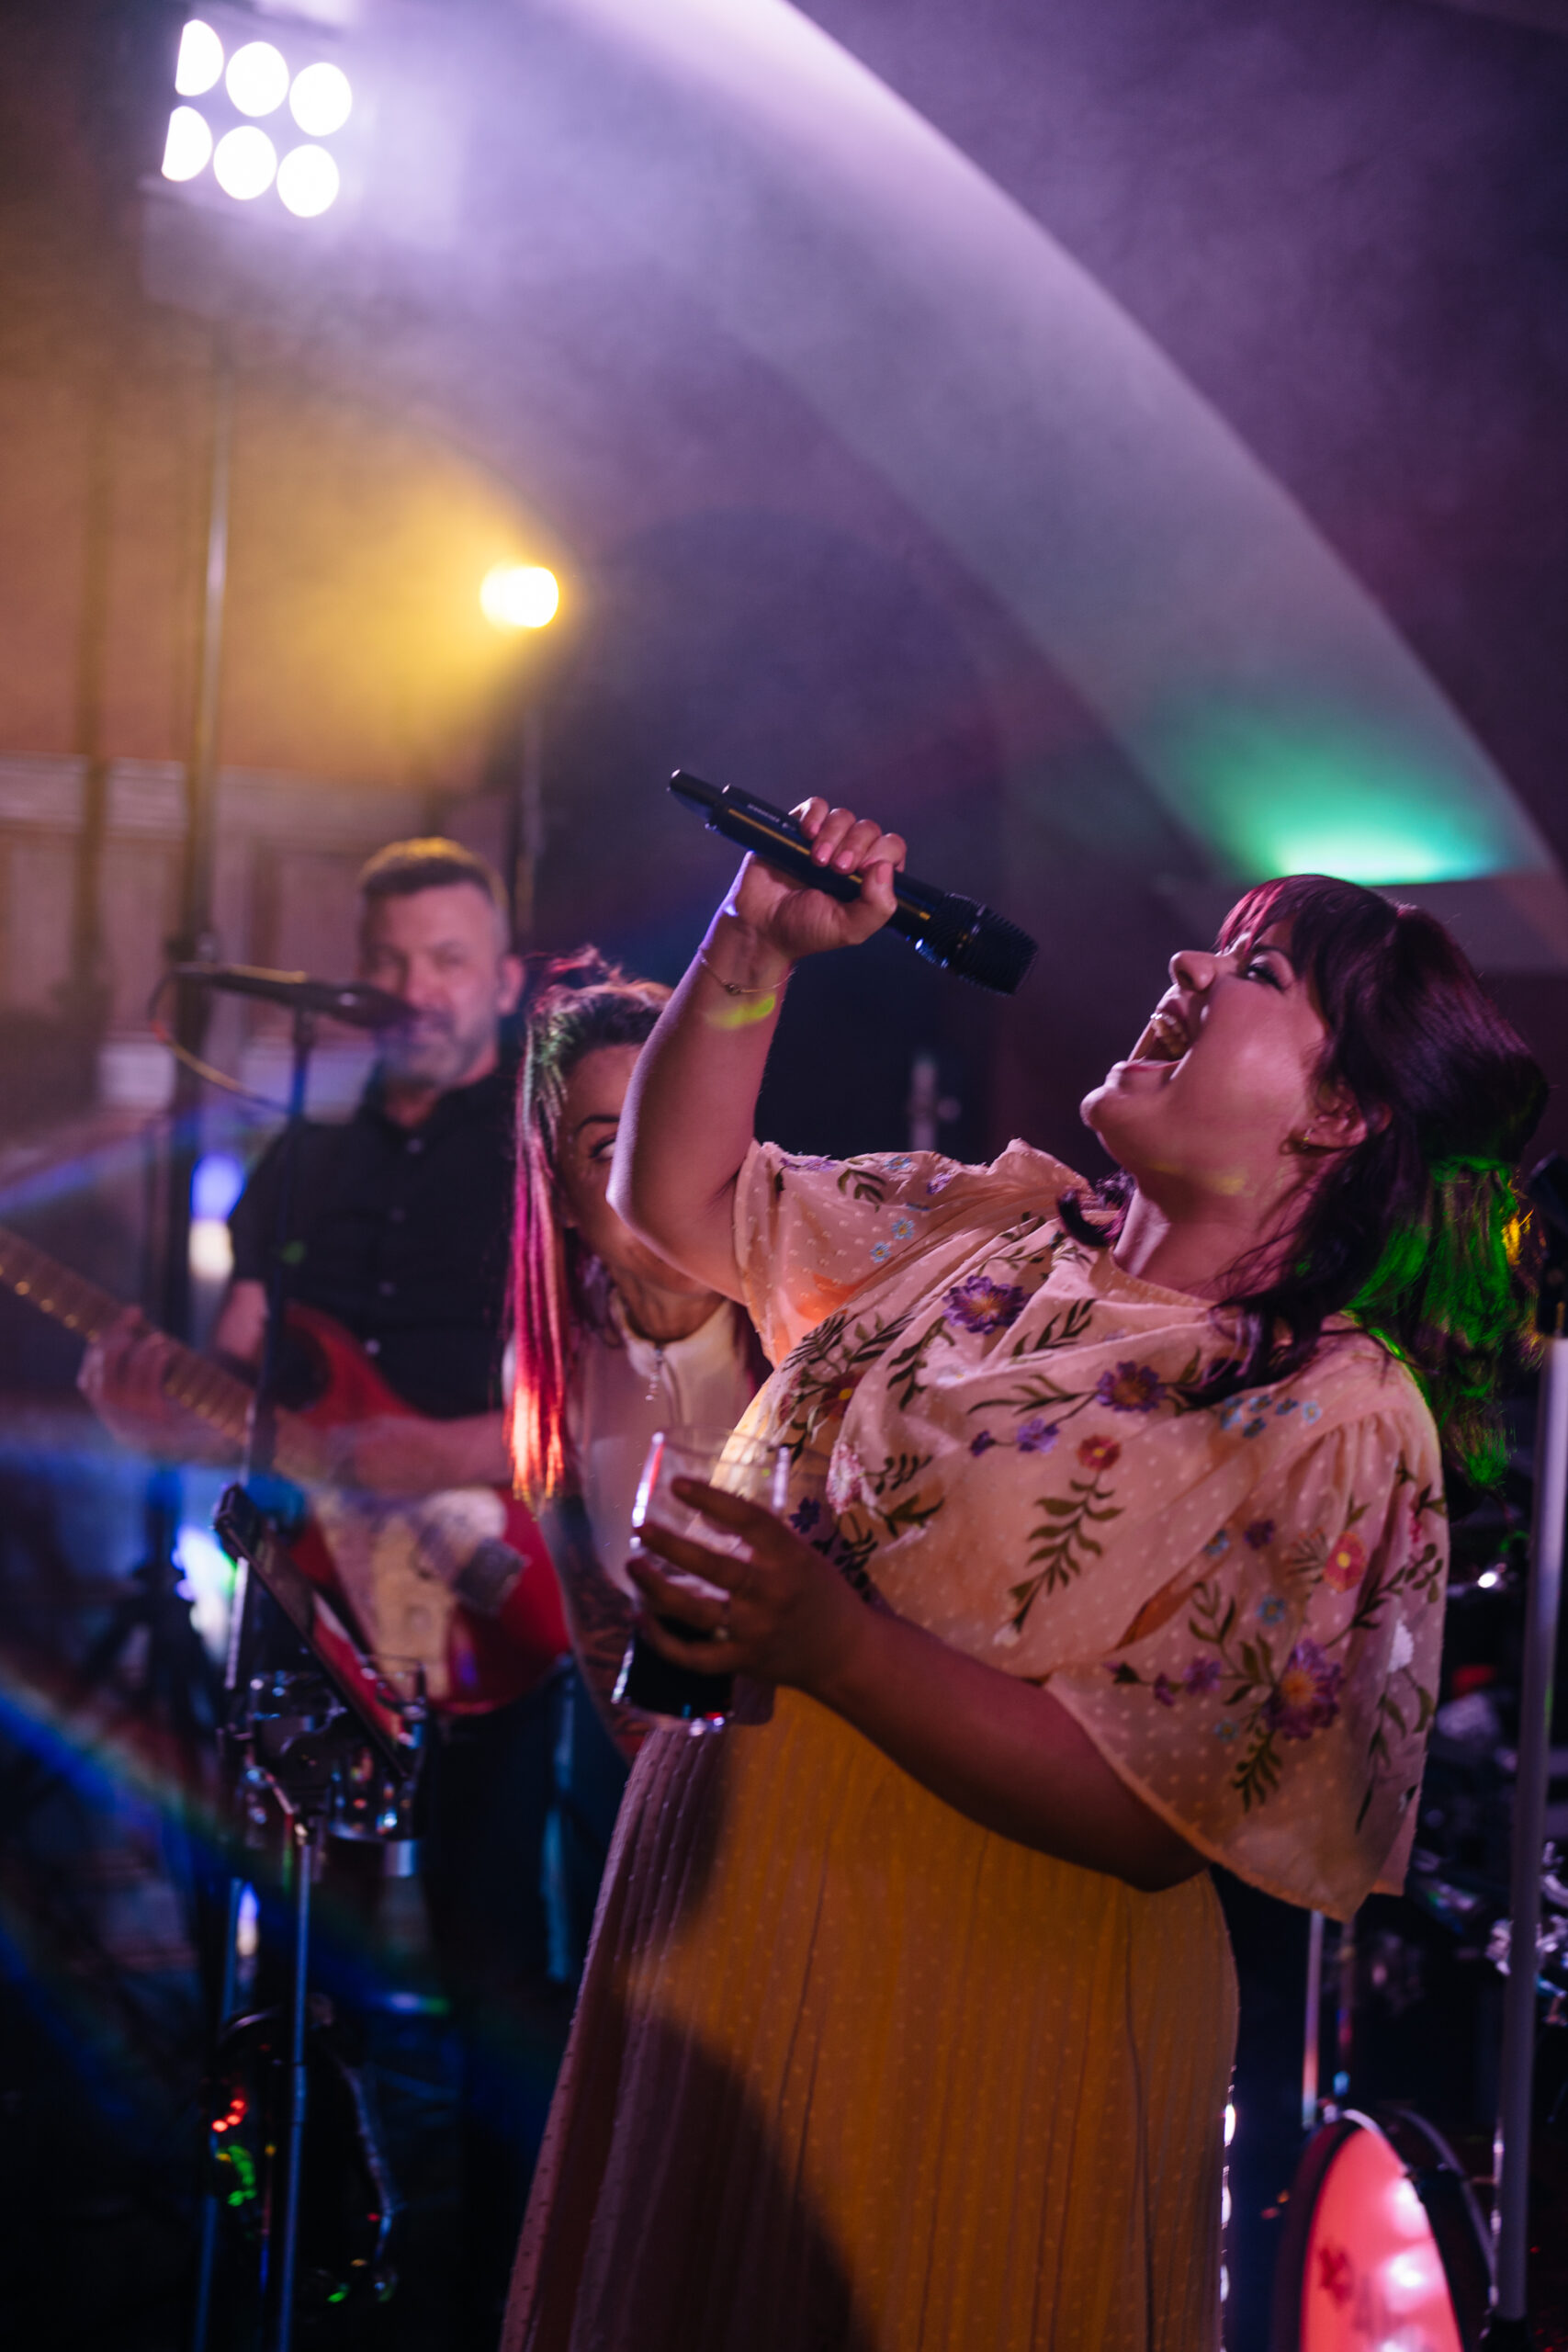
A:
(909, 2015)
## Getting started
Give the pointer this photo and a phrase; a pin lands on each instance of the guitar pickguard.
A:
(395, 1559)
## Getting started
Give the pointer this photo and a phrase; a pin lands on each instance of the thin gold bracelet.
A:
(733, 988)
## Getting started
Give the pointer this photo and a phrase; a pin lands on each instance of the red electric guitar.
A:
(408, 1568)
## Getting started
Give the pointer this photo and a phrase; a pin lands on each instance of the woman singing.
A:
(910, 2016)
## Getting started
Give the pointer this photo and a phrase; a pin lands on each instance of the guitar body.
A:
(385, 1554)
(395, 1561)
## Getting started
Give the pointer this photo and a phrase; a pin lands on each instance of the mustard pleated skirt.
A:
(849, 2072)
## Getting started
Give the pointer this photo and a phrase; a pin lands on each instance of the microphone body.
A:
(355, 1002)
(956, 933)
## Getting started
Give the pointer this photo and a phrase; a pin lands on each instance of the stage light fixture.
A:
(519, 595)
(189, 146)
(200, 60)
(254, 78)
(320, 100)
(257, 79)
(245, 162)
(308, 181)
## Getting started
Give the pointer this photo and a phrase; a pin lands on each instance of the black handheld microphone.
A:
(945, 929)
(355, 1002)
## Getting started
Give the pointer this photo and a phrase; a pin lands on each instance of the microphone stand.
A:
(305, 1826)
(278, 2270)
(264, 1431)
(1508, 2328)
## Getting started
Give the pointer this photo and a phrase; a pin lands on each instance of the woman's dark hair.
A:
(1416, 1232)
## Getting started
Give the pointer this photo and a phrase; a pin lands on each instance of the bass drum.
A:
(1383, 2244)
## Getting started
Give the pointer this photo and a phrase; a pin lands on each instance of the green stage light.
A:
(1276, 794)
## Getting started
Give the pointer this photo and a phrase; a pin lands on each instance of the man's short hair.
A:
(431, 864)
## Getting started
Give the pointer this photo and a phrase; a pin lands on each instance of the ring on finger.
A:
(721, 1631)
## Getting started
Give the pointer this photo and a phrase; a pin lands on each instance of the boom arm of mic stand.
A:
(259, 1451)
(1509, 2327)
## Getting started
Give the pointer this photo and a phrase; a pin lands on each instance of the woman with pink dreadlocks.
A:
(611, 1343)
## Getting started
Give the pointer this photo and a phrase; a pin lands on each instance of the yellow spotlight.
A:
(519, 595)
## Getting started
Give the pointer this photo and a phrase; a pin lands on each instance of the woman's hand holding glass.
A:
(780, 1614)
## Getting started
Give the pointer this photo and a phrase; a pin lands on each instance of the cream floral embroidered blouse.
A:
(1241, 1603)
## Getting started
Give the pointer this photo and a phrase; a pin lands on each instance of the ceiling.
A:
(1123, 444)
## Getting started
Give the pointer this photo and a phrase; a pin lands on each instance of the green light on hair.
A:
(1276, 795)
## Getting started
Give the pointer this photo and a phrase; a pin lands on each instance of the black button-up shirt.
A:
(401, 1234)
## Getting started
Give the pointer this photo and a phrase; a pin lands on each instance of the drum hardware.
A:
(336, 1748)
(1383, 2241)
(1316, 2109)
(1312, 2031)
(351, 2208)
(1551, 1938)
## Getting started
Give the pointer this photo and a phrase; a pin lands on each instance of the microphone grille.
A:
(979, 945)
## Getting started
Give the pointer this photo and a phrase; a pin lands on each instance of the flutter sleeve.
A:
(811, 1234)
(1272, 1700)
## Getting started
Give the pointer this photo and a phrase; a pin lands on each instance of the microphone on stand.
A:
(355, 1002)
(956, 933)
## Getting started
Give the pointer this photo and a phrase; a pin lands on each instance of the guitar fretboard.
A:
(214, 1395)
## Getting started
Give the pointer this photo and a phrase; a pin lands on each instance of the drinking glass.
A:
(736, 1466)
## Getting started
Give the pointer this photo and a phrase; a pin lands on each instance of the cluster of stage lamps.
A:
(255, 81)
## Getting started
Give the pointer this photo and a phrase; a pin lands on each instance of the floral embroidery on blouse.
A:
(1299, 1695)
(982, 1304)
(1130, 1389)
(1014, 1451)
(1346, 1563)
(1064, 1542)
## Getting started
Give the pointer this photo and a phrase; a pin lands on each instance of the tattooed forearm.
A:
(599, 1617)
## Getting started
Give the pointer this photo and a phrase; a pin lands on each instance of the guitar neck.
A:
(214, 1395)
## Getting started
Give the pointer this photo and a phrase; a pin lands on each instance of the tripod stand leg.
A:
(1511, 2221)
(306, 1836)
(207, 2248)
